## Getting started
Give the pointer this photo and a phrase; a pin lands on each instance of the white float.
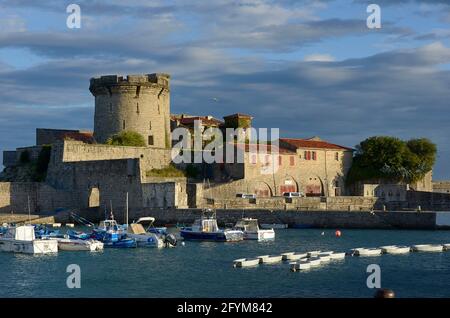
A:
(368, 251)
(270, 259)
(295, 256)
(313, 253)
(395, 249)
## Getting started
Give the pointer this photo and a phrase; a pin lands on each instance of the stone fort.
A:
(83, 172)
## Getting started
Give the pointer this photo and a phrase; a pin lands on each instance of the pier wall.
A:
(316, 219)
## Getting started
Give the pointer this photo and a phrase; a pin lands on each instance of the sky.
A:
(310, 68)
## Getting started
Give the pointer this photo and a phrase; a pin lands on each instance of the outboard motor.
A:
(170, 240)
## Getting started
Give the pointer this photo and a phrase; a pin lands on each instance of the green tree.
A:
(389, 158)
(127, 138)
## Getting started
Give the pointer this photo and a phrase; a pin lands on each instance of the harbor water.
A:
(205, 269)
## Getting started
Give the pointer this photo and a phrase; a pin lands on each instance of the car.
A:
(246, 196)
(293, 194)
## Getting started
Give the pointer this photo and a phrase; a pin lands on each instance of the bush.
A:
(127, 138)
(168, 172)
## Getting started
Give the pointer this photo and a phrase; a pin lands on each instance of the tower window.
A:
(137, 108)
(123, 124)
(150, 125)
(150, 140)
(336, 156)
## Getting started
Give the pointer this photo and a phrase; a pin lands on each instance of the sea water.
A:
(205, 269)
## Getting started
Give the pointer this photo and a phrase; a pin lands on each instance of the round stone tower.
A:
(139, 103)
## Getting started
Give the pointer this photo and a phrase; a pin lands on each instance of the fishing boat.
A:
(252, 231)
(246, 262)
(427, 248)
(112, 235)
(67, 244)
(277, 226)
(22, 239)
(206, 229)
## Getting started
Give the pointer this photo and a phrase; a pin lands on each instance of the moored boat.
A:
(300, 265)
(395, 249)
(67, 244)
(112, 235)
(427, 248)
(152, 236)
(367, 251)
(294, 256)
(336, 256)
(246, 262)
(270, 259)
(314, 261)
(22, 239)
(206, 229)
(276, 226)
(252, 231)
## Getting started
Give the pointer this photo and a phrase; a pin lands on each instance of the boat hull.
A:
(29, 247)
(147, 240)
(80, 245)
(261, 235)
(222, 236)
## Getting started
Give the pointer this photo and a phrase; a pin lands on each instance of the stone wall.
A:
(164, 195)
(50, 136)
(441, 186)
(318, 219)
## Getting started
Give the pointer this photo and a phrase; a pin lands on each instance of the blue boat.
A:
(78, 235)
(112, 235)
(41, 231)
(206, 229)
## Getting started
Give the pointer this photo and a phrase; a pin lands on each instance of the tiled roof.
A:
(265, 148)
(305, 143)
(238, 115)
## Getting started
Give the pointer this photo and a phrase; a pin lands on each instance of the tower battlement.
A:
(161, 79)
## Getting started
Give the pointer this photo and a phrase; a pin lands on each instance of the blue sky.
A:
(306, 67)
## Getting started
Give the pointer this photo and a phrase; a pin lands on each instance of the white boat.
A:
(427, 248)
(270, 259)
(71, 225)
(393, 249)
(313, 253)
(337, 256)
(252, 231)
(294, 256)
(368, 251)
(324, 257)
(246, 262)
(277, 226)
(302, 265)
(314, 261)
(285, 256)
(67, 244)
(55, 225)
(21, 239)
(152, 236)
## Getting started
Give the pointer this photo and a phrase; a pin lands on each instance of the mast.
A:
(126, 212)
(29, 209)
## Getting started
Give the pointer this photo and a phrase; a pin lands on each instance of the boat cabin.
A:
(109, 225)
(247, 225)
(208, 225)
(21, 233)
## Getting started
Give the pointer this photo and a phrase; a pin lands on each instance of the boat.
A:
(277, 226)
(300, 265)
(252, 231)
(41, 232)
(393, 249)
(324, 257)
(152, 236)
(22, 239)
(112, 235)
(446, 246)
(313, 253)
(206, 229)
(246, 262)
(269, 259)
(294, 256)
(427, 248)
(78, 235)
(336, 256)
(68, 244)
(314, 261)
(367, 251)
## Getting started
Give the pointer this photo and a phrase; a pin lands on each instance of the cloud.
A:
(319, 58)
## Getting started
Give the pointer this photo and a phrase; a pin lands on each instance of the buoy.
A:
(323, 233)
(183, 244)
(338, 233)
